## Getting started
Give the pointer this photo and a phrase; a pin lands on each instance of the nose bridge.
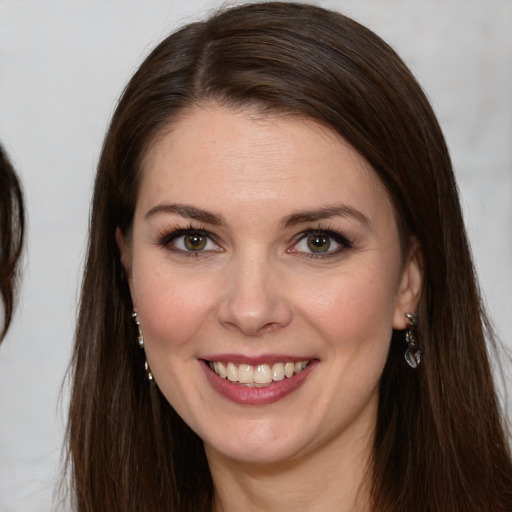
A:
(254, 300)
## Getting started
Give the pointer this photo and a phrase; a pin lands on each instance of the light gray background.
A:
(64, 63)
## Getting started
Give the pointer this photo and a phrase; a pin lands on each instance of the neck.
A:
(330, 478)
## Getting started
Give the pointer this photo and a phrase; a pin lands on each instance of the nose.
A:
(254, 299)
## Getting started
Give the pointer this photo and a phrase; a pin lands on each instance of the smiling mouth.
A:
(260, 375)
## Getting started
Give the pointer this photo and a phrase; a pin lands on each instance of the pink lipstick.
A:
(250, 381)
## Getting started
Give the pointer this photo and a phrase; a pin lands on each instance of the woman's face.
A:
(266, 271)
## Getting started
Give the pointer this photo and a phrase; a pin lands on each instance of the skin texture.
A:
(257, 291)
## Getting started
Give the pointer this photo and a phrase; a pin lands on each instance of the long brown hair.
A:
(440, 440)
(12, 225)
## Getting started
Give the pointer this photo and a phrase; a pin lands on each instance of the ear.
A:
(123, 245)
(410, 286)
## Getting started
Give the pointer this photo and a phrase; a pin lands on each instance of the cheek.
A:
(352, 310)
(172, 307)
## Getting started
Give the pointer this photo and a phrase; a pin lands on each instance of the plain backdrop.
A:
(63, 64)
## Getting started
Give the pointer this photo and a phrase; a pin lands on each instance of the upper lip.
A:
(256, 360)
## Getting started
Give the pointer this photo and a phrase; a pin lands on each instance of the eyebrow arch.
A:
(186, 211)
(325, 213)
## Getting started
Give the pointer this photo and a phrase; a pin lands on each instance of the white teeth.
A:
(260, 374)
(221, 370)
(300, 366)
(263, 374)
(232, 372)
(245, 374)
(278, 372)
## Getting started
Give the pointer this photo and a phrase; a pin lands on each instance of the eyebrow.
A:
(190, 212)
(325, 213)
(301, 217)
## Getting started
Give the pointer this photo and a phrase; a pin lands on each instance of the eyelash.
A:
(344, 243)
(172, 234)
(176, 232)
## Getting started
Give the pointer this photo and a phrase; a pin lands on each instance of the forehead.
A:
(248, 159)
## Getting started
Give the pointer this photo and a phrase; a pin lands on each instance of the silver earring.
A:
(412, 352)
(140, 341)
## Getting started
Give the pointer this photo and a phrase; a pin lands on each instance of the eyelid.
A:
(172, 233)
(343, 242)
(167, 236)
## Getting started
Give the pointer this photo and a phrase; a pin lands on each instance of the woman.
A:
(279, 307)
(11, 236)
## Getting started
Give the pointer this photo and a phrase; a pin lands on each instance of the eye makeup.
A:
(320, 243)
(188, 241)
(316, 243)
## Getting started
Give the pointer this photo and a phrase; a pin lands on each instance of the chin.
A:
(260, 445)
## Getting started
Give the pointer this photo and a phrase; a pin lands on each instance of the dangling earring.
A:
(140, 340)
(412, 352)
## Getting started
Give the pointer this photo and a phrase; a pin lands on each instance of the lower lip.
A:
(242, 394)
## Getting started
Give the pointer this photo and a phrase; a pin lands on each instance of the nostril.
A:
(251, 328)
(268, 328)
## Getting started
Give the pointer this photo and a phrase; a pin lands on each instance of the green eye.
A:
(190, 241)
(318, 243)
(195, 242)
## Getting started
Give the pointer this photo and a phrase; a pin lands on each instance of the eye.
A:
(190, 241)
(320, 243)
